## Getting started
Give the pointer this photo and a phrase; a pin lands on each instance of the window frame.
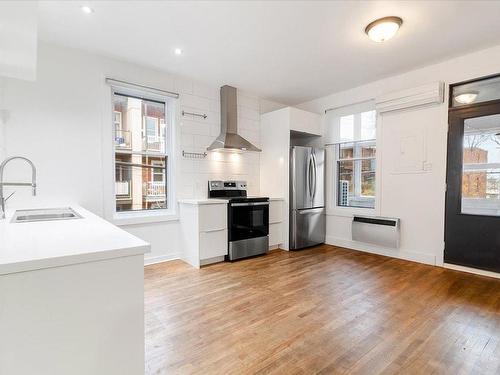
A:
(170, 120)
(333, 138)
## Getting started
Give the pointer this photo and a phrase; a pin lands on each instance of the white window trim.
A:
(109, 197)
(120, 122)
(333, 209)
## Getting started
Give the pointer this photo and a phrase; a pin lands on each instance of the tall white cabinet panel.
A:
(275, 156)
(276, 214)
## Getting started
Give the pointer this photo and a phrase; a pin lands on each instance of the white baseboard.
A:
(395, 253)
(161, 258)
(205, 262)
(471, 270)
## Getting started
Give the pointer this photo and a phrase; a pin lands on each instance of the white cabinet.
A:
(276, 213)
(204, 231)
(305, 122)
(212, 217)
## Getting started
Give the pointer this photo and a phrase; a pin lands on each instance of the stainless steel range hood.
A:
(228, 139)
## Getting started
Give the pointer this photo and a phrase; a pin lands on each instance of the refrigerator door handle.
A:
(310, 176)
(315, 175)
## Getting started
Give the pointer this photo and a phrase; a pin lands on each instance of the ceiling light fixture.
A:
(86, 9)
(178, 51)
(466, 97)
(383, 29)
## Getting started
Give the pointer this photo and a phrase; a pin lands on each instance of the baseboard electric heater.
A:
(381, 231)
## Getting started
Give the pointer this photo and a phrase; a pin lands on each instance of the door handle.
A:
(309, 177)
(315, 175)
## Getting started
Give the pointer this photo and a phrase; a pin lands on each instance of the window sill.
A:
(351, 211)
(134, 218)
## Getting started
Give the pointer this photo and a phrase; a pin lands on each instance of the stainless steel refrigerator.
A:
(307, 197)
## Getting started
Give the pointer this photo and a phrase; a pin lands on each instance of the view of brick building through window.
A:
(140, 153)
(474, 183)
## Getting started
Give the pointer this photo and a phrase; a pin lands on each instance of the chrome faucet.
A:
(2, 183)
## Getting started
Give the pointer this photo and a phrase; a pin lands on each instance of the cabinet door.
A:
(305, 122)
(275, 234)
(275, 212)
(213, 244)
(212, 217)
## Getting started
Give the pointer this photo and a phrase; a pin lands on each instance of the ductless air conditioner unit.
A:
(381, 231)
(431, 93)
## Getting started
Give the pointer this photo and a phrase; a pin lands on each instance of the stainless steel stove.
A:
(248, 219)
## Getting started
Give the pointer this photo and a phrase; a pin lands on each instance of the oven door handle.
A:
(250, 204)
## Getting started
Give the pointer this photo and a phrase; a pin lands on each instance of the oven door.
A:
(248, 220)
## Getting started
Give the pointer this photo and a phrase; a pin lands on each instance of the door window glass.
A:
(481, 166)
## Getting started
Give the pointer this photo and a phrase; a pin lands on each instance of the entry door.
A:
(472, 226)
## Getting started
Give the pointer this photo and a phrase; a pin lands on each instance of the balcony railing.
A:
(154, 189)
(153, 143)
(122, 189)
(122, 139)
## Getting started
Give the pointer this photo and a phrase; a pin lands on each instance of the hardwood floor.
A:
(325, 310)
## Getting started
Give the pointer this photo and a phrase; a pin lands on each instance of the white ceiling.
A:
(289, 52)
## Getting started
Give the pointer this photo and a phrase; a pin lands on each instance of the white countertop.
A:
(46, 244)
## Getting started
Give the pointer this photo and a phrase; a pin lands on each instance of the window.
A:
(355, 160)
(141, 154)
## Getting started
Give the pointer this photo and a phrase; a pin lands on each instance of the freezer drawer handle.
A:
(311, 211)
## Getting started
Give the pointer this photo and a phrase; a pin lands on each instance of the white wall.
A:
(59, 120)
(3, 115)
(19, 20)
(417, 198)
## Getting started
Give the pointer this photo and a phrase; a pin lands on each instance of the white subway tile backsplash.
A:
(214, 105)
(187, 140)
(214, 129)
(183, 85)
(248, 101)
(248, 113)
(203, 141)
(196, 102)
(195, 128)
(205, 91)
(244, 123)
(198, 133)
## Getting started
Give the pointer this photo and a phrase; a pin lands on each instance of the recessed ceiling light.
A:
(178, 51)
(466, 97)
(383, 29)
(86, 9)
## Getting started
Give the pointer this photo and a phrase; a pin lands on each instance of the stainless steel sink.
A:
(45, 214)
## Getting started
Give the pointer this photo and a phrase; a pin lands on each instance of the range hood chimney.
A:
(228, 139)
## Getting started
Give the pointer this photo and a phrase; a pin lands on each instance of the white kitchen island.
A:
(71, 298)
